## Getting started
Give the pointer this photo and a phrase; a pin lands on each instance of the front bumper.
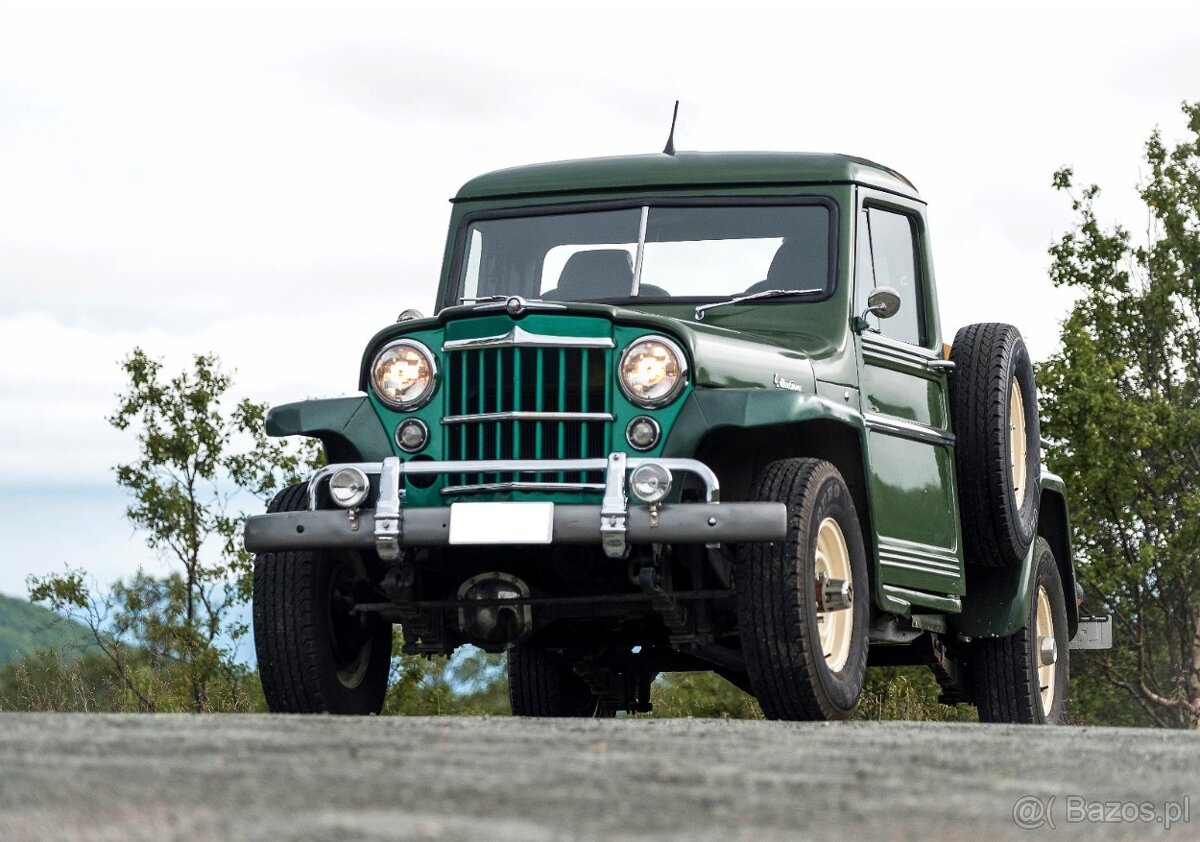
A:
(614, 524)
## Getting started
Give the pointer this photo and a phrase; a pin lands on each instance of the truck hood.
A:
(719, 357)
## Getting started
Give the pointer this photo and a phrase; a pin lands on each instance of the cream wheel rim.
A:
(1017, 449)
(1046, 650)
(834, 627)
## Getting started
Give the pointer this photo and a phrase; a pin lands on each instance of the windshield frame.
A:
(457, 268)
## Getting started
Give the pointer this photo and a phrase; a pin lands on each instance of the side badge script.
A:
(784, 383)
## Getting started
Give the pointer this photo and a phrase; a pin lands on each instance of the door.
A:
(905, 405)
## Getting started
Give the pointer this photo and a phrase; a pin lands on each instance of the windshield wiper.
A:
(766, 293)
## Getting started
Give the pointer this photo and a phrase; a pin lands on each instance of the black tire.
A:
(777, 604)
(999, 524)
(314, 655)
(1005, 671)
(542, 683)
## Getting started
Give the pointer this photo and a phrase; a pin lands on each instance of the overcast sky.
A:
(270, 182)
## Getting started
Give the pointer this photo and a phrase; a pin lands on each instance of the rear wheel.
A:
(1024, 677)
(803, 603)
(315, 653)
(541, 682)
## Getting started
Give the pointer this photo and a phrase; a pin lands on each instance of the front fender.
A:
(348, 428)
(709, 409)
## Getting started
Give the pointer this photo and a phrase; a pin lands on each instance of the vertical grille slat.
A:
(489, 381)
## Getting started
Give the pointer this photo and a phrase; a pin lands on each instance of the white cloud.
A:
(271, 183)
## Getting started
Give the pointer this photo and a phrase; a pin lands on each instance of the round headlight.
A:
(404, 374)
(653, 371)
(348, 487)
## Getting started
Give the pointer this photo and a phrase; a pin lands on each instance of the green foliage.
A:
(194, 456)
(170, 640)
(471, 682)
(1121, 404)
(26, 628)
(48, 680)
(889, 693)
(703, 695)
(908, 693)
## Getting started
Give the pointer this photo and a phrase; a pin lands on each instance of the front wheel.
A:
(315, 653)
(1024, 677)
(802, 604)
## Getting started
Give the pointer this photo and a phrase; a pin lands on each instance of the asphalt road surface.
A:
(273, 777)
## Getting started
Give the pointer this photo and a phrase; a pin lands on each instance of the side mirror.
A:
(883, 302)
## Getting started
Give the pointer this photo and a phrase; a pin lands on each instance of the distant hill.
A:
(25, 628)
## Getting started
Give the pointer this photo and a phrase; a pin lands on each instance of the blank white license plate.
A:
(501, 523)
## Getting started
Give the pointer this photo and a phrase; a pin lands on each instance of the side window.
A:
(887, 257)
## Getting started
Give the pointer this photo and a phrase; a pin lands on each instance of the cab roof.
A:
(683, 170)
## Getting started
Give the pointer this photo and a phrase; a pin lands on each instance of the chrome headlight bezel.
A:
(675, 390)
(412, 423)
(430, 363)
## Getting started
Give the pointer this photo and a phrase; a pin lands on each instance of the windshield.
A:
(650, 253)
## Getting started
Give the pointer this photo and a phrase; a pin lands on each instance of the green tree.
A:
(170, 639)
(470, 682)
(1121, 405)
(703, 695)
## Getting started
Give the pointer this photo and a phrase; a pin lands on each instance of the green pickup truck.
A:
(678, 412)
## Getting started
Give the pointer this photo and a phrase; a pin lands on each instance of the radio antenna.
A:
(669, 149)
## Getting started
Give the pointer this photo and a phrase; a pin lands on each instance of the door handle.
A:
(946, 366)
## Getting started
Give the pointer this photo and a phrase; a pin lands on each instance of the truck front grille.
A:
(527, 402)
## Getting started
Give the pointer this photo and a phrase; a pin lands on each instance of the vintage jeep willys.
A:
(677, 412)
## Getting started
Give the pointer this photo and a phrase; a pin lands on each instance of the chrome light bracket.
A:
(389, 523)
(614, 508)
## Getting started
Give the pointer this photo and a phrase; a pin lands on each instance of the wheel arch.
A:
(348, 428)
(1054, 526)
(812, 428)
(997, 600)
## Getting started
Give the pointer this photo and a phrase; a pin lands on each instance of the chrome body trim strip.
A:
(911, 597)
(640, 257)
(933, 571)
(548, 487)
(907, 429)
(527, 416)
(518, 336)
(919, 554)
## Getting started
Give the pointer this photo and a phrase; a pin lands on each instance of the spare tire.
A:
(993, 403)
